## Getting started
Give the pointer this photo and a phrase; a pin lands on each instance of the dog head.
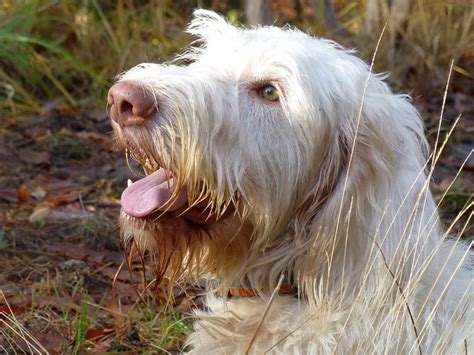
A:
(249, 142)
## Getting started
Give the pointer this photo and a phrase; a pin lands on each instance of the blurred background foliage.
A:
(73, 49)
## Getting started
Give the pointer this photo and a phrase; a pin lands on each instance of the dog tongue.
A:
(149, 194)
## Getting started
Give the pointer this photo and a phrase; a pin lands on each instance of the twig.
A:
(265, 313)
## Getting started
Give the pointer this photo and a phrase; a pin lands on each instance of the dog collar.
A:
(251, 292)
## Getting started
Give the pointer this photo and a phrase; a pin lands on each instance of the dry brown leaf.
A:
(33, 157)
(38, 193)
(70, 111)
(9, 195)
(97, 333)
(22, 194)
(39, 213)
(94, 136)
(11, 309)
(51, 341)
(37, 133)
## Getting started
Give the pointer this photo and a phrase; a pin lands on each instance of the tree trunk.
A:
(258, 12)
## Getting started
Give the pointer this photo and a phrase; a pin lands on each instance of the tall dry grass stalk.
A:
(15, 334)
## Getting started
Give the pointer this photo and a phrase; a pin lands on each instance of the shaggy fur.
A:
(329, 187)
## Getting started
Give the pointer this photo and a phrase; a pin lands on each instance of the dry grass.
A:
(73, 49)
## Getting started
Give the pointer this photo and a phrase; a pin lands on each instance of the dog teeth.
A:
(129, 182)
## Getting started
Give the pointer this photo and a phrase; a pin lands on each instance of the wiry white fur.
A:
(333, 198)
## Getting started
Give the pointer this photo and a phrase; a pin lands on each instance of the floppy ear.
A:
(375, 160)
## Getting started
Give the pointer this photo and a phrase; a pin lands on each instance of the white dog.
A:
(279, 168)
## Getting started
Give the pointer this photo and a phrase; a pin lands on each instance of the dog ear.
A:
(378, 135)
(379, 156)
(206, 24)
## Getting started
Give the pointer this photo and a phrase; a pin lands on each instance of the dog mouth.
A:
(172, 190)
(160, 197)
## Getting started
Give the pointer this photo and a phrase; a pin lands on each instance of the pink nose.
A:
(130, 104)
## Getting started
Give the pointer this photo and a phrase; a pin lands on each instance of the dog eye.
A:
(269, 92)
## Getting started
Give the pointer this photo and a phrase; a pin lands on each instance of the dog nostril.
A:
(130, 104)
(126, 108)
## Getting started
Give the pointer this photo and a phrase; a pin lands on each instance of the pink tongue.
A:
(149, 194)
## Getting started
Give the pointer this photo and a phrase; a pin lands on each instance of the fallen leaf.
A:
(65, 197)
(102, 348)
(47, 212)
(8, 290)
(51, 341)
(94, 136)
(11, 309)
(70, 111)
(33, 157)
(19, 298)
(22, 194)
(37, 133)
(9, 195)
(73, 265)
(82, 252)
(125, 290)
(6, 157)
(63, 213)
(38, 193)
(110, 273)
(39, 213)
(96, 333)
(104, 140)
(58, 191)
(105, 256)
(64, 301)
(99, 116)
